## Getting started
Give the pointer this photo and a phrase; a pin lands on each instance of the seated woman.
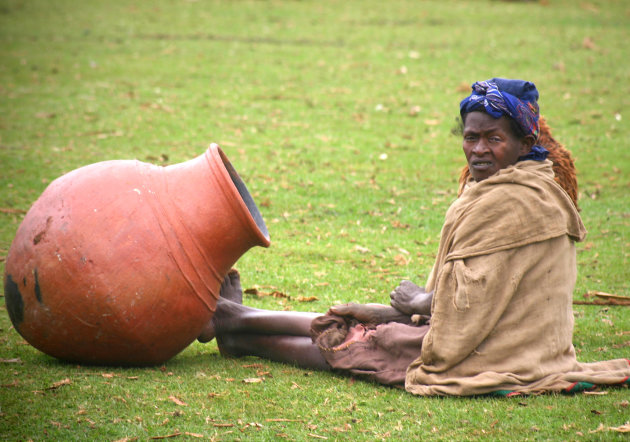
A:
(496, 314)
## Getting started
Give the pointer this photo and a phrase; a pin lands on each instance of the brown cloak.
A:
(503, 288)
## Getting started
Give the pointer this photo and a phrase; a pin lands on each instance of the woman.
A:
(499, 295)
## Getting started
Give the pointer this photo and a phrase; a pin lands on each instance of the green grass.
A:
(305, 97)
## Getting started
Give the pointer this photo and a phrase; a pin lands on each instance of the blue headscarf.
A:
(516, 99)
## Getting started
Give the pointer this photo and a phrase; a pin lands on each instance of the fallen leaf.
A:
(398, 225)
(401, 260)
(177, 401)
(588, 43)
(168, 436)
(252, 366)
(589, 7)
(61, 383)
(45, 115)
(307, 298)
(260, 294)
(464, 86)
(252, 380)
(598, 429)
(11, 210)
(283, 420)
(595, 393)
(621, 429)
(414, 110)
(361, 249)
(222, 425)
(15, 383)
(194, 434)
(597, 412)
(11, 361)
(624, 404)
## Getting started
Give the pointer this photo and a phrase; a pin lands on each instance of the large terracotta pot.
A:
(120, 262)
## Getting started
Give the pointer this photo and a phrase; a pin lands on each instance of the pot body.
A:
(121, 262)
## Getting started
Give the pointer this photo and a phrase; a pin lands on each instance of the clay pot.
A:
(120, 262)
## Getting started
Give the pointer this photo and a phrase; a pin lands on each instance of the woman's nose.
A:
(480, 147)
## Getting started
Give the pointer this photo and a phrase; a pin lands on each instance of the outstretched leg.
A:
(298, 350)
(278, 335)
(231, 317)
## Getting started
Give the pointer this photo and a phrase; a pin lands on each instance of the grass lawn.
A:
(338, 116)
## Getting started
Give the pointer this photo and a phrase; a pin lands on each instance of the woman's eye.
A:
(495, 139)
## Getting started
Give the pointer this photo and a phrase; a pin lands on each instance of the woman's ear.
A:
(527, 142)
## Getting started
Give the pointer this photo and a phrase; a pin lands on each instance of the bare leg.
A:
(278, 335)
(231, 317)
(298, 350)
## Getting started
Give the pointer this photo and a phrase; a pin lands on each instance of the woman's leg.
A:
(298, 350)
(278, 335)
(231, 317)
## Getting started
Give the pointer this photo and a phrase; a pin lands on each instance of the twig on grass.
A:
(603, 298)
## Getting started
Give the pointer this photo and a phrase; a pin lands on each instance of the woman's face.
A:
(490, 144)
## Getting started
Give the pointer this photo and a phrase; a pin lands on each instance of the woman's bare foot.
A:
(231, 291)
(411, 299)
(224, 320)
(231, 287)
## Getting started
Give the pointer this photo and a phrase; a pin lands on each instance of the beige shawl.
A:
(503, 279)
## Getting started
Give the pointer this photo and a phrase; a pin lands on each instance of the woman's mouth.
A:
(481, 164)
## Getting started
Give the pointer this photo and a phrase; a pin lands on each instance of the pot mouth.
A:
(246, 197)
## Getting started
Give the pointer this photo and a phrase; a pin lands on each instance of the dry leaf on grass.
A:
(58, 384)
(621, 429)
(260, 294)
(168, 436)
(279, 419)
(361, 249)
(253, 380)
(12, 210)
(588, 43)
(178, 401)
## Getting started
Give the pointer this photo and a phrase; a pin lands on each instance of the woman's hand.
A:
(410, 299)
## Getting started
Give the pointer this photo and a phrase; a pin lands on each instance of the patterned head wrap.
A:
(516, 99)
